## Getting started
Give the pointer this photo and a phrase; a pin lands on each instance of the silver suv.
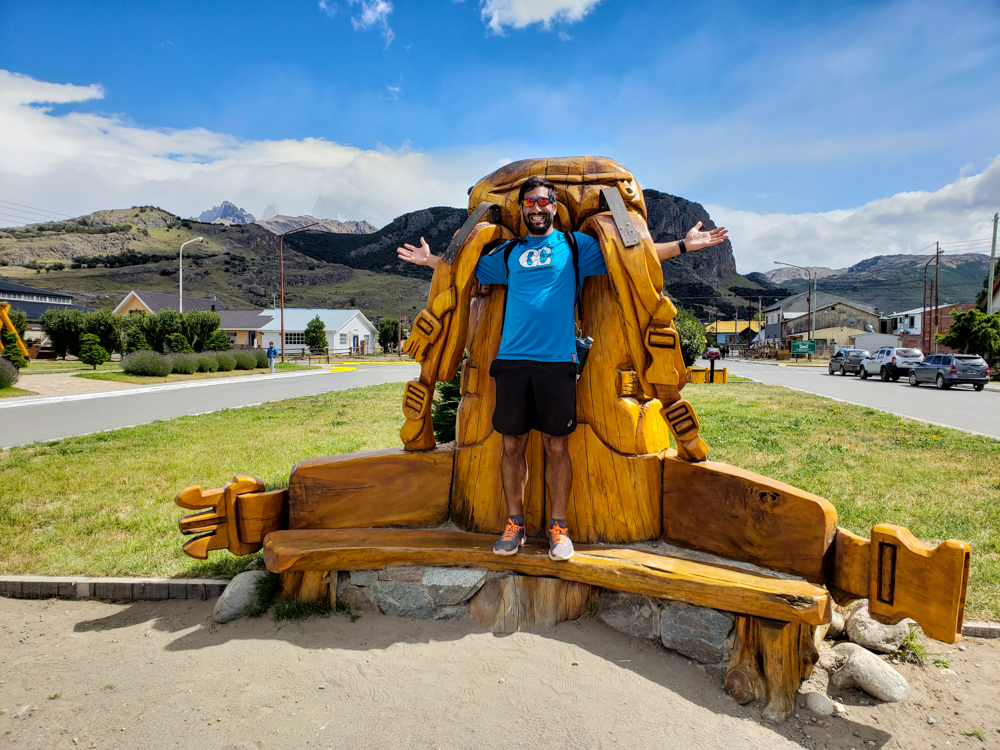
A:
(890, 363)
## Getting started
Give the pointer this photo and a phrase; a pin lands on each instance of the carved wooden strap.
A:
(908, 578)
(236, 517)
(682, 420)
(417, 399)
(427, 326)
(662, 343)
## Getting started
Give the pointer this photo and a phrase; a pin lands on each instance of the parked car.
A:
(713, 352)
(946, 370)
(847, 361)
(890, 362)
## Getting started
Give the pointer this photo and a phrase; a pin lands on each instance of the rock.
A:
(700, 633)
(359, 599)
(454, 612)
(836, 626)
(819, 704)
(948, 672)
(632, 614)
(403, 599)
(25, 711)
(363, 577)
(410, 573)
(239, 596)
(931, 720)
(450, 586)
(874, 636)
(864, 670)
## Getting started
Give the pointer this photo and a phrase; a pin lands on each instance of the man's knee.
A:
(514, 445)
(555, 447)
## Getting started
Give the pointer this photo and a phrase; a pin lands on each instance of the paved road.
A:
(27, 422)
(959, 407)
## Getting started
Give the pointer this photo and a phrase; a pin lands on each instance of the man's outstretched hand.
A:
(696, 239)
(421, 255)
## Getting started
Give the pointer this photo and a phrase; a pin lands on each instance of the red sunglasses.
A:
(543, 202)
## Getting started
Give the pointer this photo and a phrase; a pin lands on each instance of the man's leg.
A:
(514, 475)
(558, 480)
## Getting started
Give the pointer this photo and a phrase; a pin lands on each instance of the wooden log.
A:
(511, 604)
(849, 569)
(308, 585)
(770, 659)
(744, 516)
(260, 513)
(621, 568)
(391, 487)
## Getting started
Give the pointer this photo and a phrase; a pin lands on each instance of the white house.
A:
(347, 331)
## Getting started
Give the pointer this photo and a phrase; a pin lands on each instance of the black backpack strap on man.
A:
(508, 247)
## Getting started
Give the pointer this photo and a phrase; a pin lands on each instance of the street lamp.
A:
(180, 296)
(809, 285)
(281, 265)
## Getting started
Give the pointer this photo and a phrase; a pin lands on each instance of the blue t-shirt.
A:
(539, 322)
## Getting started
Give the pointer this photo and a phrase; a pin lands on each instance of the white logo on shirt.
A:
(534, 257)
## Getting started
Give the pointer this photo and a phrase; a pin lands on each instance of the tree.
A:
(11, 352)
(108, 327)
(20, 320)
(388, 333)
(444, 409)
(200, 324)
(692, 335)
(135, 341)
(315, 335)
(64, 329)
(178, 344)
(218, 342)
(974, 332)
(91, 351)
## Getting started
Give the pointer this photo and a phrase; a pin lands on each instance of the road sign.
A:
(803, 347)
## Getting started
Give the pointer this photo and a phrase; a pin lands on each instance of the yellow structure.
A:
(728, 331)
(5, 322)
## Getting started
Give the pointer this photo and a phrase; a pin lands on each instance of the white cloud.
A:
(521, 13)
(374, 13)
(904, 223)
(76, 163)
(329, 8)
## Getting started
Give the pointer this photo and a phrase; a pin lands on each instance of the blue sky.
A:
(795, 115)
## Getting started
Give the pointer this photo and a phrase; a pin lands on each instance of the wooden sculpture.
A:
(390, 508)
(5, 322)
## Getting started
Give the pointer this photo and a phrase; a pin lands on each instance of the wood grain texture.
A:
(849, 567)
(390, 487)
(619, 568)
(217, 524)
(908, 578)
(744, 516)
(260, 513)
(511, 604)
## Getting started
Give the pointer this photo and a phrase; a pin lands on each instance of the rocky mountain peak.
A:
(227, 213)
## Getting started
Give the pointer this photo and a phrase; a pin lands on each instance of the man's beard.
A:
(535, 228)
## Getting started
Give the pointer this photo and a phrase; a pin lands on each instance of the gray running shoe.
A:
(511, 539)
(560, 547)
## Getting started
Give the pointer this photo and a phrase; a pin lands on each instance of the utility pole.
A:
(180, 275)
(399, 320)
(925, 315)
(937, 299)
(281, 264)
(993, 263)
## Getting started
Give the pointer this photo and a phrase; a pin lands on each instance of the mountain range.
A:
(227, 213)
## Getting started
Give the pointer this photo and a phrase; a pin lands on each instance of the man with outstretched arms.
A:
(535, 369)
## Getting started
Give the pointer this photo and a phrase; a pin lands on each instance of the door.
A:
(354, 345)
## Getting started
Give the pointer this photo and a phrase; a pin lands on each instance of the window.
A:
(343, 339)
(297, 338)
(232, 337)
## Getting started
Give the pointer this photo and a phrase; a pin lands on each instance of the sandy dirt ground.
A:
(161, 675)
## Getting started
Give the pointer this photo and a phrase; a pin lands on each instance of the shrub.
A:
(444, 408)
(11, 351)
(184, 364)
(147, 363)
(63, 328)
(177, 343)
(135, 341)
(315, 334)
(8, 374)
(218, 341)
(692, 334)
(91, 351)
(244, 360)
(199, 325)
(261, 355)
(225, 360)
(207, 363)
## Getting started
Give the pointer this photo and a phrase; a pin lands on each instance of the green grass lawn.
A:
(121, 377)
(49, 366)
(13, 392)
(103, 504)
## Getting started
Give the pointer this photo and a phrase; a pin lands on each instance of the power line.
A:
(36, 209)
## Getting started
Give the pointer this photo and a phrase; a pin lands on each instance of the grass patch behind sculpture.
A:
(103, 504)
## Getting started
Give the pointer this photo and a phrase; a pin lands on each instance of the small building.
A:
(34, 302)
(347, 331)
(244, 326)
(909, 326)
(833, 324)
(728, 332)
(153, 302)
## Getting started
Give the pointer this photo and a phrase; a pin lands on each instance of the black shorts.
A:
(534, 396)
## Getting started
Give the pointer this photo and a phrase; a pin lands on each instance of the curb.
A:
(114, 589)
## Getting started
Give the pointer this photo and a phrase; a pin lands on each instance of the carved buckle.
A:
(680, 416)
(416, 400)
(661, 337)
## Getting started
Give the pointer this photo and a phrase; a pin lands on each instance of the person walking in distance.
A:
(272, 354)
(535, 370)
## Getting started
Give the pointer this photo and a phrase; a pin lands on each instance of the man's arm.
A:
(695, 240)
(421, 256)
